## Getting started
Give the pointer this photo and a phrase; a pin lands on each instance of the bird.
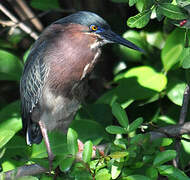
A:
(55, 76)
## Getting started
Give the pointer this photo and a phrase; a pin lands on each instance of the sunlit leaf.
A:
(146, 76)
(172, 11)
(175, 90)
(103, 174)
(72, 141)
(87, 152)
(140, 20)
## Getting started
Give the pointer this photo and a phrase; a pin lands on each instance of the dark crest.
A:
(85, 18)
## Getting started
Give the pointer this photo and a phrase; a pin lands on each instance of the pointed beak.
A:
(112, 37)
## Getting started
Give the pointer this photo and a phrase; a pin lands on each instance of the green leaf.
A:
(103, 174)
(58, 142)
(100, 113)
(10, 117)
(120, 115)
(152, 173)
(95, 132)
(186, 58)
(171, 53)
(116, 130)
(140, 20)
(72, 141)
(66, 163)
(132, 2)
(45, 4)
(175, 90)
(10, 122)
(146, 76)
(156, 39)
(171, 11)
(162, 142)
(119, 154)
(135, 124)
(5, 136)
(116, 169)
(172, 172)
(136, 177)
(26, 55)
(87, 152)
(172, 57)
(163, 157)
(10, 66)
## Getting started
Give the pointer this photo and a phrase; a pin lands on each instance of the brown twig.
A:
(182, 118)
(30, 15)
(21, 25)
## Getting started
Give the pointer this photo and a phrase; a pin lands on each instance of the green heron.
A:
(55, 73)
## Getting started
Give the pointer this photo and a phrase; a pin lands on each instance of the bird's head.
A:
(95, 26)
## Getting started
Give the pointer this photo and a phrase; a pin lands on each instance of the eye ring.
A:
(94, 27)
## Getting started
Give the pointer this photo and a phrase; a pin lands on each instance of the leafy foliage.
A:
(145, 92)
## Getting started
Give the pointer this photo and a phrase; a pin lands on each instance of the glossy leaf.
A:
(140, 20)
(72, 141)
(103, 174)
(135, 124)
(10, 66)
(87, 152)
(163, 157)
(66, 163)
(120, 115)
(5, 136)
(146, 76)
(172, 172)
(10, 118)
(116, 130)
(175, 90)
(119, 154)
(116, 169)
(171, 53)
(172, 11)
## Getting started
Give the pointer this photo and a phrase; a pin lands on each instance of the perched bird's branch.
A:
(182, 118)
(173, 131)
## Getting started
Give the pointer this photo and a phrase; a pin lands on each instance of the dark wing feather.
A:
(31, 85)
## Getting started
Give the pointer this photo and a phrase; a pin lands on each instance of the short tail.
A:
(33, 134)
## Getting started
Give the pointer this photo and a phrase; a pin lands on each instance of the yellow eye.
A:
(93, 28)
